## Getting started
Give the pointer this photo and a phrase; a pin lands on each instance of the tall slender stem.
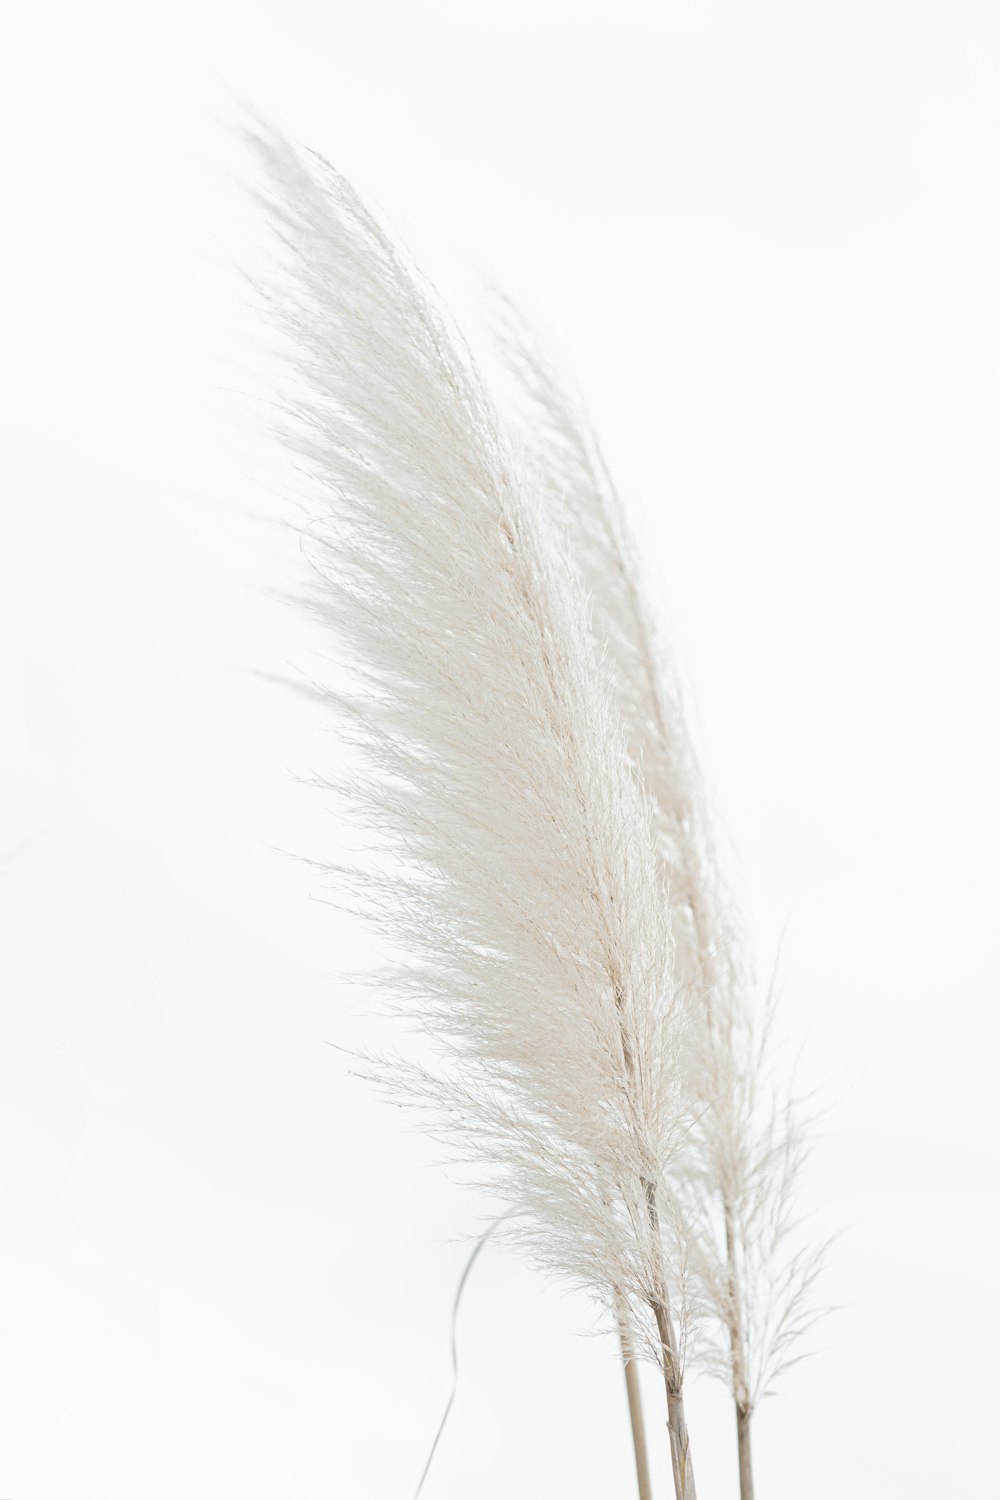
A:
(635, 1416)
(673, 1379)
(743, 1439)
(740, 1396)
(680, 1445)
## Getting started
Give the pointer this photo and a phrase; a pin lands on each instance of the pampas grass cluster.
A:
(548, 868)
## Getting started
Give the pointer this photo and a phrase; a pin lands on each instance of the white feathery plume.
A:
(738, 1193)
(746, 1148)
(523, 883)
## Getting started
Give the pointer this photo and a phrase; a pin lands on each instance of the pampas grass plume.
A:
(523, 878)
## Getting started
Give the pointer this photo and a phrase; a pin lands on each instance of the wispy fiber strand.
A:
(466, 1272)
(523, 881)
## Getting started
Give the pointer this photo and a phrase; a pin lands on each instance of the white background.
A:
(765, 237)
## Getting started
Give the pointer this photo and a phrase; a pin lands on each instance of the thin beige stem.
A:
(734, 1320)
(635, 1416)
(680, 1443)
(739, 1372)
(743, 1439)
(673, 1379)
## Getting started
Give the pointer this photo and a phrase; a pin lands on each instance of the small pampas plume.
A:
(753, 1269)
(522, 882)
(736, 1184)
